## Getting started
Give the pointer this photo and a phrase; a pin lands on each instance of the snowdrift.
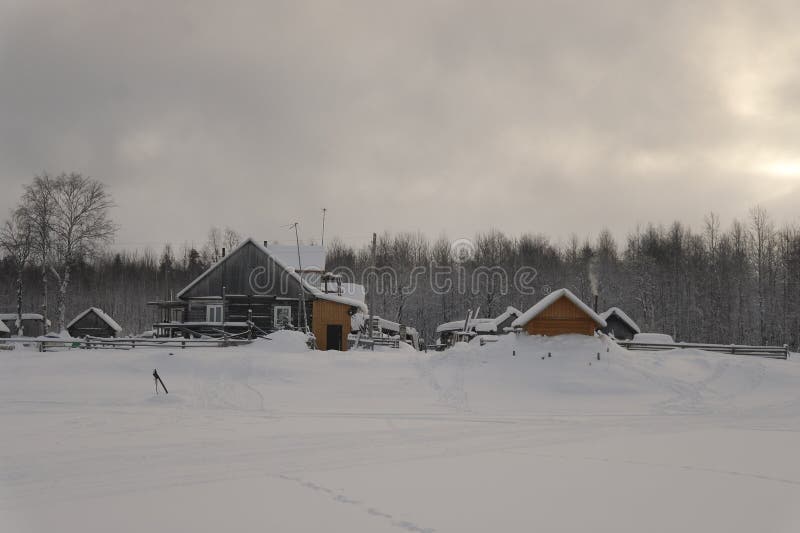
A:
(515, 435)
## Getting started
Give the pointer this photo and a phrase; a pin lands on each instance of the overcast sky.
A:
(443, 117)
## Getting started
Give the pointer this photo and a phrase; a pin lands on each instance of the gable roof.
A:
(278, 257)
(99, 312)
(549, 300)
(4, 328)
(622, 316)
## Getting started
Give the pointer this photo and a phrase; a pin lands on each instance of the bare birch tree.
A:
(81, 224)
(38, 207)
(231, 239)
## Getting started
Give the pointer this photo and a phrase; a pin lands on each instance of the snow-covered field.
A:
(273, 438)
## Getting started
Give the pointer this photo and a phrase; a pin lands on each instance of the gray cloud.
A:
(552, 117)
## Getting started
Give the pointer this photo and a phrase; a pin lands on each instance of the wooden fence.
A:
(772, 352)
(367, 343)
(125, 343)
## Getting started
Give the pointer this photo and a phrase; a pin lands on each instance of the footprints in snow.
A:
(341, 498)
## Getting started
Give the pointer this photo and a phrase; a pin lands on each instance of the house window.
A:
(282, 316)
(214, 314)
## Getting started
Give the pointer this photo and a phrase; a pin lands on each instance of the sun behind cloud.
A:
(782, 168)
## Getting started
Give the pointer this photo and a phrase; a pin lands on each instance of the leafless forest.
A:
(734, 284)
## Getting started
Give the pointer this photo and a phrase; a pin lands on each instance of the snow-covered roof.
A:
(354, 291)
(622, 316)
(312, 257)
(99, 312)
(273, 251)
(494, 323)
(394, 326)
(458, 325)
(4, 328)
(653, 338)
(315, 291)
(549, 300)
(25, 316)
(481, 325)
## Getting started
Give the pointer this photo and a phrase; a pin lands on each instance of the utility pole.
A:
(324, 210)
(371, 295)
(300, 273)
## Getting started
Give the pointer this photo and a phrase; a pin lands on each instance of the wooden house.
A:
(451, 332)
(93, 323)
(619, 325)
(32, 324)
(258, 288)
(559, 313)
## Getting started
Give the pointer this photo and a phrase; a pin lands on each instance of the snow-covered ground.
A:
(273, 438)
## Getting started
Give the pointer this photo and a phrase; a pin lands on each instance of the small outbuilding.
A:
(32, 323)
(451, 332)
(559, 313)
(95, 323)
(619, 325)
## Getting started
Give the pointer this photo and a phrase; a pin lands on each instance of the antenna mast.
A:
(300, 273)
(324, 210)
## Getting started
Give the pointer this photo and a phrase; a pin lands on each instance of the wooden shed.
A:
(559, 313)
(93, 322)
(32, 323)
(331, 324)
(619, 325)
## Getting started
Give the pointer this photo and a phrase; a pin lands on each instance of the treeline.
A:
(120, 283)
(739, 284)
(58, 236)
(735, 285)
